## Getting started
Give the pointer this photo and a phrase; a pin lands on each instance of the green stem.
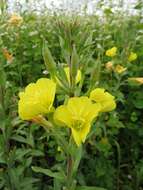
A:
(69, 172)
(49, 128)
(119, 161)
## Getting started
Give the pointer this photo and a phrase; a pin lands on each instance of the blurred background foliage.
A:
(113, 155)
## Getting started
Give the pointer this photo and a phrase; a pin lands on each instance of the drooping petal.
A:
(80, 135)
(76, 136)
(84, 131)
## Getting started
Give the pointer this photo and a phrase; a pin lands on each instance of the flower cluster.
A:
(118, 68)
(78, 114)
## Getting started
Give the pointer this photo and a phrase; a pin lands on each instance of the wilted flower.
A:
(36, 99)
(78, 115)
(105, 99)
(109, 66)
(136, 79)
(7, 55)
(15, 20)
(132, 56)
(120, 69)
(111, 52)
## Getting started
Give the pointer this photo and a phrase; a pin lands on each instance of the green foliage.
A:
(29, 157)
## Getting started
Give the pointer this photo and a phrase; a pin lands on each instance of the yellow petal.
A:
(78, 105)
(28, 110)
(36, 99)
(43, 86)
(82, 108)
(120, 69)
(93, 112)
(108, 106)
(132, 56)
(84, 132)
(97, 94)
(106, 100)
(111, 52)
(62, 116)
(76, 136)
(80, 135)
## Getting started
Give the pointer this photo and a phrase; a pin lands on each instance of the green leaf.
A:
(2, 77)
(77, 160)
(139, 6)
(89, 188)
(49, 61)
(57, 175)
(138, 100)
(95, 74)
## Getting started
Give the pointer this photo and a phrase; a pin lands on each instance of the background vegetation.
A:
(113, 156)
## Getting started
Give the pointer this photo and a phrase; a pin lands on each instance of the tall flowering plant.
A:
(70, 122)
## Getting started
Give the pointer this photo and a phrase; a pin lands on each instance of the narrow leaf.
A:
(57, 175)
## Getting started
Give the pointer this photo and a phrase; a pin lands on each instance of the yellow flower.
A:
(132, 56)
(106, 100)
(36, 99)
(15, 20)
(120, 69)
(109, 66)
(78, 115)
(137, 79)
(111, 52)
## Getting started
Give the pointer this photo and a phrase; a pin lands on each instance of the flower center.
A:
(78, 123)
